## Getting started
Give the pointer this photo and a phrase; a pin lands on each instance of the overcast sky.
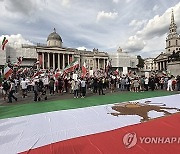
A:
(137, 26)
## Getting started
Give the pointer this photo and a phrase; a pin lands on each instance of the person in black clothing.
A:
(95, 85)
(36, 91)
(11, 92)
(178, 83)
(152, 83)
(100, 86)
(6, 87)
(66, 84)
(40, 89)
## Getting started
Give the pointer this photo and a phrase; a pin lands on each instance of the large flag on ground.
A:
(148, 125)
(7, 72)
(84, 70)
(71, 67)
(4, 42)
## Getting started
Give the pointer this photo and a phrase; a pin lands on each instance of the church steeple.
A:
(173, 38)
(173, 26)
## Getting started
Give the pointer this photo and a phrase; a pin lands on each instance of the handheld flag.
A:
(7, 72)
(84, 70)
(4, 42)
(71, 67)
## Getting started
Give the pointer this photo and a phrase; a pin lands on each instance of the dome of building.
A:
(54, 40)
(54, 36)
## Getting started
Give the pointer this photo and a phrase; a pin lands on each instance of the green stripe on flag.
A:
(41, 107)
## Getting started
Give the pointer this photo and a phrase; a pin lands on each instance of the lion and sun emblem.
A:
(141, 109)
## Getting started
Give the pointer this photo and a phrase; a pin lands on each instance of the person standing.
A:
(5, 89)
(146, 83)
(12, 91)
(169, 88)
(136, 85)
(152, 83)
(100, 87)
(95, 84)
(178, 83)
(83, 88)
(36, 91)
(76, 89)
(51, 86)
(24, 88)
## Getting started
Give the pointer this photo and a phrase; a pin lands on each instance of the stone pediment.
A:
(162, 56)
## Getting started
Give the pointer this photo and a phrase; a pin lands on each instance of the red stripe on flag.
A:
(111, 142)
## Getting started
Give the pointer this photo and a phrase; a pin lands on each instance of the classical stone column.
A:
(165, 65)
(63, 61)
(53, 60)
(37, 60)
(154, 66)
(158, 66)
(58, 61)
(162, 66)
(42, 60)
(68, 58)
(104, 63)
(94, 63)
(98, 63)
(48, 60)
(72, 57)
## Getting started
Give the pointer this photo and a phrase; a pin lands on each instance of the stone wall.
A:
(174, 68)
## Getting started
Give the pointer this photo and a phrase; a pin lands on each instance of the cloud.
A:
(155, 28)
(159, 25)
(155, 8)
(82, 48)
(106, 15)
(15, 40)
(66, 3)
(137, 24)
(128, 1)
(116, 1)
(22, 7)
(134, 44)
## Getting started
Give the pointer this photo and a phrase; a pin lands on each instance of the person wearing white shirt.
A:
(146, 82)
(169, 88)
(24, 85)
(83, 88)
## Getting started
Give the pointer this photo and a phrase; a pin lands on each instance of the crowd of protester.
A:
(45, 86)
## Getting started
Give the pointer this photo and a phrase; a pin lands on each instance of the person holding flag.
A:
(84, 70)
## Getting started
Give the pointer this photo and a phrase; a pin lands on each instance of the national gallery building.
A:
(54, 55)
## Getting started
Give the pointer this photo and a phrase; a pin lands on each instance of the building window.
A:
(169, 50)
(176, 42)
(169, 43)
(176, 48)
(172, 30)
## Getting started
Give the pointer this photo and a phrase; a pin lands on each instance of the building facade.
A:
(149, 65)
(122, 59)
(54, 55)
(172, 45)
